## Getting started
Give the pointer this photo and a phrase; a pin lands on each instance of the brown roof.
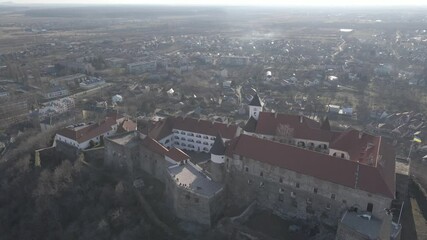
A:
(154, 146)
(375, 179)
(164, 128)
(307, 129)
(84, 133)
(360, 146)
(128, 125)
(177, 155)
(161, 129)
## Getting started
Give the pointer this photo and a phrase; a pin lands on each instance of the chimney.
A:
(301, 119)
(275, 115)
(360, 134)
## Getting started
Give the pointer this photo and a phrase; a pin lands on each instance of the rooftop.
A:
(356, 221)
(128, 138)
(379, 179)
(255, 101)
(190, 178)
(83, 131)
(303, 127)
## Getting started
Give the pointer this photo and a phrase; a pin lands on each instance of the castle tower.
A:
(217, 159)
(255, 107)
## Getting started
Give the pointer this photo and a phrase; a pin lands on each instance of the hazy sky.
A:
(239, 2)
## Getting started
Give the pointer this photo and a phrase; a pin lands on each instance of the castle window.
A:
(249, 181)
(261, 174)
(293, 194)
(281, 190)
(315, 190)
(332, 196)
(297, 185)
(342, 155)
(205, 137)
(176, 137)
(328, 206)
(246, 169)
(280, 180)
(344, 201)
(369, 207)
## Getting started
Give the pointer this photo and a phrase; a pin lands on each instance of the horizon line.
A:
(343, 5)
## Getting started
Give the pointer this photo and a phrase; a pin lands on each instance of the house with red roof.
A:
(83, 135)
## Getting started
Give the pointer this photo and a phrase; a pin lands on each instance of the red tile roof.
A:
(154, 146)
(164, 128)
(177, 155)
(375, 179)
(161, 129)
(128, 125)
(307, 129)
(360, 146)
(85, 133)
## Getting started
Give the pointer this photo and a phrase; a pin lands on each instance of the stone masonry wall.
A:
(188, 205)
(289, 193)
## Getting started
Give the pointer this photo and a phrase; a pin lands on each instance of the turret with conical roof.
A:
(255, 107)
(218, 150)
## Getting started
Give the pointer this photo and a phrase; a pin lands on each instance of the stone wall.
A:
(69, 152)
(153, 163)
(94, 155)
(217, 205)
(187, 205)
(52, 156)
(118, 156)
(418, 169)
(289, 193)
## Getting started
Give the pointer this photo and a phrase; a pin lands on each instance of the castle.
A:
(292, 165)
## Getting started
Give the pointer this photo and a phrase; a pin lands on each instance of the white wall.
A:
(254, 111)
